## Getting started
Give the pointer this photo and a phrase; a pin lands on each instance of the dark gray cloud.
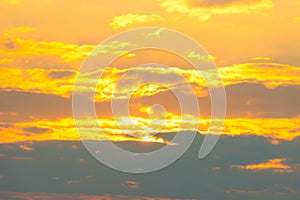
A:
(188, 177)
(259, 101)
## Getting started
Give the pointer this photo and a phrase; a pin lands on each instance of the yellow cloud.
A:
(193, 54)
(16, 32)
(261, 58)
(128, 19)
(122, 128)
(269, 74)
(6, 60)
(275, 165)
(35, 80)
(41, 81)
(205, 13)
(287, 127)
(24, 48)
(38, 79)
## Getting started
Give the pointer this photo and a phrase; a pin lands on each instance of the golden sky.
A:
(254, 43)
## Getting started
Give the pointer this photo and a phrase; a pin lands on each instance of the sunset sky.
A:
(255, 45)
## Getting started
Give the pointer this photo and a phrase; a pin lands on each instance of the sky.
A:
(254, 45)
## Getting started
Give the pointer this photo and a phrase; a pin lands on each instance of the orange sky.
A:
(254, 43)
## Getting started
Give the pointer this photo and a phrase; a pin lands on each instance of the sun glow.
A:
(148, 138)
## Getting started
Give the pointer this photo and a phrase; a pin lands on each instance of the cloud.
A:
(38, 80)
(215, 169)
(247, 192)
(257, 101)
(270, 74)
(6, 60)
(3, 177)
(22, 158)
(60, 82)
(261, 58)
(50, 196)
(23, 106)
(219, 3)
(193, 54)
(19, 47)
(78, 181)
(204, 13)
(9, 45)
(263, 127)
(5, 125)
(57, 74)
(123, 128)
(128, 19)
(173, 179)
(75, 147)
(245, 100)
(25, 148)
(266, 193)
(131, 185)
(35, 80)
(65, 52)
(275, 165)
(36, 130)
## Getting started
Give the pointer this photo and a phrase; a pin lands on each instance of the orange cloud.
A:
(274, 165)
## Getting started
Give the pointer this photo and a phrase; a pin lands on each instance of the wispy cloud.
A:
(261, 58)
(205, 13)
(128, 19)
(50, 196)
(274, 165)
(66, 52)
(25, 148)
(131, 185)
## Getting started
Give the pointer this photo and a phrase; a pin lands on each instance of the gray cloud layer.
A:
(54, 164)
